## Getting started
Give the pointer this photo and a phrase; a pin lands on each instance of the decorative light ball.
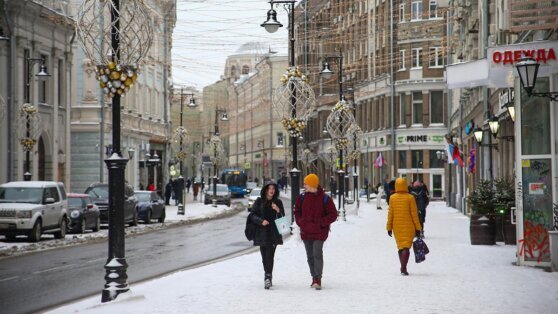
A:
(115, 75)
(106, 90)
(128, 82)
(130, 73)
(109, 84)
(118, 68)
(123, 77)
(111, 66)
(113, 90)
(119, 92)
(116, 83)
(104, 78)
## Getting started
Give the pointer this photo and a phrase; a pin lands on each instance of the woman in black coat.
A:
(265, 210)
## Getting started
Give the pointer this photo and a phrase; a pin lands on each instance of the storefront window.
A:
(436, 107)
(535, 121)
(402, 159)
(417, 159)
(434, 161)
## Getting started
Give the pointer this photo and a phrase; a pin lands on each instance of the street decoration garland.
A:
(294, 101)
(178, 141)
(116, 69)
(339, 121)
(29, 126)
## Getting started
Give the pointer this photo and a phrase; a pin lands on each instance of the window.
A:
(402, 12)
(417, 107)
(245, 70)
(402, 159)
(417, 58)
(434, 161)
(436, 58)
(436, 107)
(417, 158)
(433, 9)
(402, 109)
(402, 59)
(280, 140)
(416, 10)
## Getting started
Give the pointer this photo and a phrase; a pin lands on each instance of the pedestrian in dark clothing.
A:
(168, 192)
(386, 190)
(265, 210)
(177, 186)
(422, 198)
(314, 218)
(332, 186)
(196, 190)
(391, 190)
(188, 185)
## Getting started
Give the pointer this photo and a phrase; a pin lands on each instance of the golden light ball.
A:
(112, 65)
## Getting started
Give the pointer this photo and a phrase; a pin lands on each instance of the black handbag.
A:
(250, 230)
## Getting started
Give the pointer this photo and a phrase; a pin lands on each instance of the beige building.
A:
(36, 30)
(257, 140)
(145, 112)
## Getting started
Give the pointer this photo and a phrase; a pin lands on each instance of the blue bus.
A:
(235, 179)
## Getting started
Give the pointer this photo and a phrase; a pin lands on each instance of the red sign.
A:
(513, 56)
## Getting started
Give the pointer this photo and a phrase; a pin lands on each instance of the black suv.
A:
(99, 195)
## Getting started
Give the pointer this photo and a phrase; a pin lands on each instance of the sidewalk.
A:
(361, 275)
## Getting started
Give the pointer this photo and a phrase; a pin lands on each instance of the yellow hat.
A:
(312, 181)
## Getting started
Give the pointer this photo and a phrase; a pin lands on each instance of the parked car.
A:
(150, 206)
(253, 196)
(250, 186)
(32, 208)
(99, 195)
(223, 195)
(84, 214)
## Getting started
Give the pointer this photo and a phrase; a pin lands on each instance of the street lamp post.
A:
(29, 139)
(181, 154)
(117, 67)
(528, 69)
(224, 118)
(327, 73)
(271, 25)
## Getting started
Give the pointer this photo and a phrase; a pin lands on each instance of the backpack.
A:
(325, 200)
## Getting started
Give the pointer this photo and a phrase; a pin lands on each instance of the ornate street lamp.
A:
(127, 26)
(528, 70)
(494, 125)
(294, 100)
(478, 132)
(29, 119)
(511, 110)
(217, 147)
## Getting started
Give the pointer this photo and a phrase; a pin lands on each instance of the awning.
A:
(467, 74)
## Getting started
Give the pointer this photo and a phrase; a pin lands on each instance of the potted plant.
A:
(505, 200)
(482, 227)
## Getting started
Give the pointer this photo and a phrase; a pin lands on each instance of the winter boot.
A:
(404, 259)
(317, 283)
(267, 281)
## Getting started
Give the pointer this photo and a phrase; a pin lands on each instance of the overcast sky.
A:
(207, 31)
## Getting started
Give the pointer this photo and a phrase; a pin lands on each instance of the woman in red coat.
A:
(314, 213)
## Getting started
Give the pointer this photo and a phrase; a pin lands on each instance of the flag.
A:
(449, 152)
(472, 166)
(456, 155)
(379, 162)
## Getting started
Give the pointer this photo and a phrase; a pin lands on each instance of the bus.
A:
(235, 179)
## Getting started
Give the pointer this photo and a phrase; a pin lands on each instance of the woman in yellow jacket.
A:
(403, 221)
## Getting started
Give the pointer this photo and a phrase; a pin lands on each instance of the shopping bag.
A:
(420, 249)
(283, 225)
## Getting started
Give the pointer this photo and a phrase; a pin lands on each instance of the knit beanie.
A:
(312, 181)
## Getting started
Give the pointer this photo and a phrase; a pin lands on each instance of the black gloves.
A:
(389, 233)
(417, 233)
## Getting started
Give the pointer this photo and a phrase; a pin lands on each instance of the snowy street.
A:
(361, 275)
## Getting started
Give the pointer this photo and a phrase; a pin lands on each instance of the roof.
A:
(252, 47)
(30, 184)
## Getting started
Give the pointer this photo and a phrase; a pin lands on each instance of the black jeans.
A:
(268, 254)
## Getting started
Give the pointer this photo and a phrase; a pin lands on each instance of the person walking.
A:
(332, 186)
(314, 213)
(151, 187)
(263, 213)
(168, 192)
(195, 190)
(188, 185)
(379, 196)
(403, 221)
(422, 198)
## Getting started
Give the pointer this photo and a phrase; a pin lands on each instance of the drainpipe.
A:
(270, 162)
(12, 91)
(392, 100)
(486, 27)
(101, 98)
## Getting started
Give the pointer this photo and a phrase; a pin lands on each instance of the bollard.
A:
(180, 209)
(553, 235)
(214, 202)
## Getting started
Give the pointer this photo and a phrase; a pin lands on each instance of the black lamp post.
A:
(327, 73)
(42, 75)
(224, 118)
(181, 179)
(271, 25)
(528, 70)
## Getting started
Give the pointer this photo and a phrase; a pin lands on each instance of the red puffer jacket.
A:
(313, 216)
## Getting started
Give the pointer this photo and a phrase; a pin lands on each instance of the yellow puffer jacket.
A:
(403, 215)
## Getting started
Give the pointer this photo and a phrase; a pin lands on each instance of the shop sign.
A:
(381, 140)
(420, 139)
(544, 53)
(247, 165)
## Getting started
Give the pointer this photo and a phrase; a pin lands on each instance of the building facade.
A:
(145, 113)
(393, 71)
(257, 141)
(33, 32)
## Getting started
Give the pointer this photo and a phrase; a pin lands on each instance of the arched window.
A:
(233, 71)
(245, 69)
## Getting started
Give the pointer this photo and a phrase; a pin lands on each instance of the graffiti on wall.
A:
(538, 214)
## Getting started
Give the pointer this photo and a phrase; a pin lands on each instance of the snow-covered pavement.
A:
(361, 275)
(194, 211)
